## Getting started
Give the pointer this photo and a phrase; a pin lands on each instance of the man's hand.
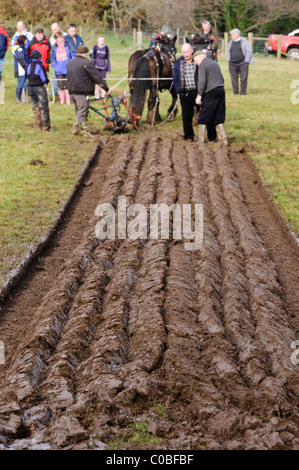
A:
(198, 100)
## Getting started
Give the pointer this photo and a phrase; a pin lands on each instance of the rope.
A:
(52, 93)
(123, 50)
(169, 115)
(122, 79)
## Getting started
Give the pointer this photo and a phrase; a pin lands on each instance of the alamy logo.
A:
(2, 358)
(136, 222)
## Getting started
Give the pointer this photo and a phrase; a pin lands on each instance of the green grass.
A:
(31, 195)
(265, 120)
(136, 439)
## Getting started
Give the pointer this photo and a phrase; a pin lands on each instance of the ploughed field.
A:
(192, 345)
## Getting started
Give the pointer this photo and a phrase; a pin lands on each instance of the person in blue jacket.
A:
(72, 39)
(21, 62)
(61, 57)
(37, 81)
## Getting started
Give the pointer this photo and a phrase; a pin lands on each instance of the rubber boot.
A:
(61, 96)
(24, 96)
(67, 97)
(202, 131)
(18, 95)
(84, 130)
(75, 130)
(221, 134)
(37, 113)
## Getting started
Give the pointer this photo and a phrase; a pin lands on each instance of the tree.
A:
(121, 12)
(272, 10)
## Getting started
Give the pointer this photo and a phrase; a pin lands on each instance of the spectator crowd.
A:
(78, 72)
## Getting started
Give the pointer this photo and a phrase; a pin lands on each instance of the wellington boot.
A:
(61, 96)
(24, 98)
(84, 130)
(202, 133)
(67, 97)
(37, 113)
(221, 134)
(75, 130)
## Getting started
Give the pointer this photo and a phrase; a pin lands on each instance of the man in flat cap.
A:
(211, 98)
(82, 77)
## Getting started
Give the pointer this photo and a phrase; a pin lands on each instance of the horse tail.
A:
(139, 87)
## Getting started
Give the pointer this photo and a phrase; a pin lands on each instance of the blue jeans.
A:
(22, 83)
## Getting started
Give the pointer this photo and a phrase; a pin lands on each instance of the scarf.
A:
(61, 53)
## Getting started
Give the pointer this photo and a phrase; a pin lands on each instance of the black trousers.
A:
(212, 110)
(236, 70)
(187, 103)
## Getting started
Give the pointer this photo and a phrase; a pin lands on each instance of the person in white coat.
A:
(21, 30)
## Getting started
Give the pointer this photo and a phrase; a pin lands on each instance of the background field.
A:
(265, 123)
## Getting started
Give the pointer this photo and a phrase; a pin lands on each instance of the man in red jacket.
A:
(41, 43)
(4, 42)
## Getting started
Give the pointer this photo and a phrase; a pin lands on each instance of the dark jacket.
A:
(73, 43)
(202, 41)
(43, 47)
(4, 41)
(178, 75)
(36, 72)
(82, 77)
(21, 60)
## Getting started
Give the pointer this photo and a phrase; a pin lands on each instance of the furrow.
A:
(85, 314)
(238, 321)
(264, 290)
(111, 349)
(218, 354)
(45, 330)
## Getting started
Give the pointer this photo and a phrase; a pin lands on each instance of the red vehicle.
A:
(289, 44)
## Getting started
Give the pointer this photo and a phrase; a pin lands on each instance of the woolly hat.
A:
(35, 54)
(82, 50)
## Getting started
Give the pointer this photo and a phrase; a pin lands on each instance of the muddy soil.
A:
(104, 336)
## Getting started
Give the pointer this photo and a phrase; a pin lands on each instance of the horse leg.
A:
(157, 115)
(152, 100)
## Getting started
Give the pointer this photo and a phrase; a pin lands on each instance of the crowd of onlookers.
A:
(57, 49)
(197, 77)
